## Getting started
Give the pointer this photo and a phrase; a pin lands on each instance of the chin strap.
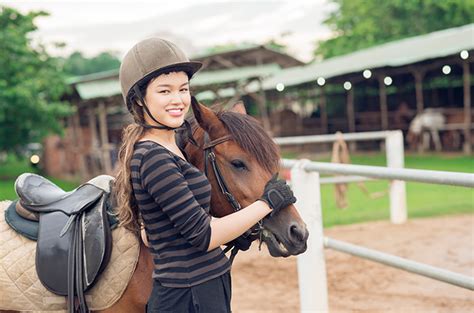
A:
(147, 126)
(186, 125)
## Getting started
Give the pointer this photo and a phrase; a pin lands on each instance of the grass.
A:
(12, 167)
(423, 200)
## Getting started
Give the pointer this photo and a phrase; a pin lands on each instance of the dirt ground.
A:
(265, 284)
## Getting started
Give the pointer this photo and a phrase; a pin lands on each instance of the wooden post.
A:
(383, 103)
(79, 145)
(467, 107)
(351, 116)
(262, 104)
(323, 111)
(104, 138)
(94, 142)
(419, 90)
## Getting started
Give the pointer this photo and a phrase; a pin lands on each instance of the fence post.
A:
(311, 264)
(395, 159)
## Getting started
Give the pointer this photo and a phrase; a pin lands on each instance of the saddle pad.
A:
(21, 289)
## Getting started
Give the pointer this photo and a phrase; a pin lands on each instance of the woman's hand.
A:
(144, 236)
(277, 194)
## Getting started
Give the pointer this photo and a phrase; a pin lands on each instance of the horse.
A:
(245, 159)
(429, 122)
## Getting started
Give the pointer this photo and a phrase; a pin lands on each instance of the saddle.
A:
(74, 240)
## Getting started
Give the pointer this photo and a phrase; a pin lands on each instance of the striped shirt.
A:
(174, 197)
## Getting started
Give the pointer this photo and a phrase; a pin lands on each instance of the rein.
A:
(210, 157)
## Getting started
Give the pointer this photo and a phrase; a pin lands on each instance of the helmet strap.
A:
(160, 125)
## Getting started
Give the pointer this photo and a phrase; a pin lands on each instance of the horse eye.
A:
(238, 164)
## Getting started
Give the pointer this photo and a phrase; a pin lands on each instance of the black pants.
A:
(212, 296)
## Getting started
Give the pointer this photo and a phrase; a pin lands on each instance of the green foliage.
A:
(359, 24)
(31, 84)
(76, 64)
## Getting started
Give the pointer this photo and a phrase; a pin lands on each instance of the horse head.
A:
(246, 158)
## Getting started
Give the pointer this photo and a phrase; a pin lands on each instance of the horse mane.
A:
(249, 134)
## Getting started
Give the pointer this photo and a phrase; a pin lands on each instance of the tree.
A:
(76, 64)
(31, 84)
(359, 24)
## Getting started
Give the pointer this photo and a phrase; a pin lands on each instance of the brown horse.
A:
(247, 157)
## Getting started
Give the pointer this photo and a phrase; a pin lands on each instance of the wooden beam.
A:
(383, 103)
(224, 62)
(94, 141)
(419, 90)
(350, 110)
(351, 116)
(104, 138)
(323, 111)
(77, 130)
(262, 105)
(467, 106)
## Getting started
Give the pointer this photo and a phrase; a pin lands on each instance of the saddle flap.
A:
(96, 237)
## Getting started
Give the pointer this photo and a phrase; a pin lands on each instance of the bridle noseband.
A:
(210, 157)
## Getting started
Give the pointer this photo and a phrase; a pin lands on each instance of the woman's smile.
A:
(175, 112)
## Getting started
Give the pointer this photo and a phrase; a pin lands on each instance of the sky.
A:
(111, 25)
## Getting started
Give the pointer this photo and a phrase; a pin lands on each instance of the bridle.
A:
(210, 158)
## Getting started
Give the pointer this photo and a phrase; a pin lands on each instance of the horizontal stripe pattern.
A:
(174, 198)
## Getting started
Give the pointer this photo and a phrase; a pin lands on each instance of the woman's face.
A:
(168, 99)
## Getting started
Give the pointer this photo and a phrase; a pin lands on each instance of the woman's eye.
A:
(164, 91)
(239, 165)
(184, 90)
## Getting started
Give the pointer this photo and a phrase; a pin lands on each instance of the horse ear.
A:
(206, 118)
(239, 107)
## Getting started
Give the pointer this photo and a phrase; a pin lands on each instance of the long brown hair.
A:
(127, 209)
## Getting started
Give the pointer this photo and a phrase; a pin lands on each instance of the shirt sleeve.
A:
(162, 178)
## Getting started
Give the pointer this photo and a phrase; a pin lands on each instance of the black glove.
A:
(277, 194)
(241, 243)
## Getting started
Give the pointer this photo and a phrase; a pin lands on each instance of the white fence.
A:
(395, 159)
(311, 265)
(306, 186)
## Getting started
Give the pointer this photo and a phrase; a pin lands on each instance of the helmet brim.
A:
(190, 68)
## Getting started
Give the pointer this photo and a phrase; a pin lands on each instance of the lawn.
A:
(422, 199)
(13, 167)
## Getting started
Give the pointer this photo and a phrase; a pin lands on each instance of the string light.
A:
(446, 69)
(367, 74)
(280, 87)
(347, 85)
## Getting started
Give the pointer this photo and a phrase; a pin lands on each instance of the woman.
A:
(171, 197)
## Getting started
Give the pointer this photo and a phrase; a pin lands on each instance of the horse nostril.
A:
(297, 233)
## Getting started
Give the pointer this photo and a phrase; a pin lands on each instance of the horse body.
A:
(248, 160)
(428, 123)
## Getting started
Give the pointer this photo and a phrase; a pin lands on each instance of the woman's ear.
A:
(207, 119)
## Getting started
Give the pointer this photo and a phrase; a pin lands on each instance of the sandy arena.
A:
(265, 284)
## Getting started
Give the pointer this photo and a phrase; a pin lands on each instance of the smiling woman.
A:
(168, 198)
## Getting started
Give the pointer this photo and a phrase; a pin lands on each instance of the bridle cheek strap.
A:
(210, 157)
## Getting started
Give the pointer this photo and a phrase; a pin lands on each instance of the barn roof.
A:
(393, 54)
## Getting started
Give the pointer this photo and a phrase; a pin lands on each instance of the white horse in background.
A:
(426, 124)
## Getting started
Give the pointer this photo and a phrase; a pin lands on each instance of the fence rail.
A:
(401, 263)
(380, 172)
(306, 186)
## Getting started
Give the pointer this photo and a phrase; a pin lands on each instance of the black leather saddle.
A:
(74, 239)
